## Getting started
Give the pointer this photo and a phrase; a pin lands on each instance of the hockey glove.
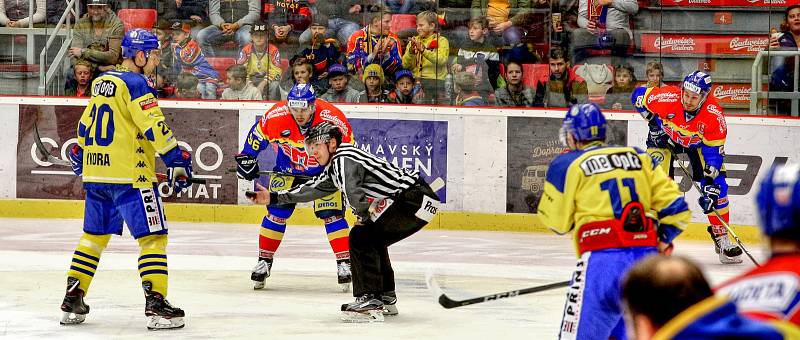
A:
(179, 168)
(76, 158)
(710, 197)
(246, 166)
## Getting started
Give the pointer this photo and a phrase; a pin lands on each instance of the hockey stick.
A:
(448, 302)
(58, 161)
(719, 216)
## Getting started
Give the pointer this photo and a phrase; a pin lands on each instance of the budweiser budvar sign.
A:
(726, 3)
(704, 43)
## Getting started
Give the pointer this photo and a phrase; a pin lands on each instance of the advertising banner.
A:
(740, 44)
(419, 145)
(532, 145)
(210, 135)
(726, 3)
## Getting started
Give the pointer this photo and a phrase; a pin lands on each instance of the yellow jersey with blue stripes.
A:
(594, 184)
(121, 130)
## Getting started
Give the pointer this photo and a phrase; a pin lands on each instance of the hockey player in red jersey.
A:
(772, 291)
(284, 124)
(693, 123)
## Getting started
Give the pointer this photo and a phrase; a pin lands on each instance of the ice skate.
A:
(366, 308)
(343, 272)
(160, 313)
(261, 273)
(389, 300)
(74, 308)
(729, 253)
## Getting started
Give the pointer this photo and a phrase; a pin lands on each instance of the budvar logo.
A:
(775, 2)
(666, 97)
(750, 44)
(675, 44)
(732, 93)
(699, 1)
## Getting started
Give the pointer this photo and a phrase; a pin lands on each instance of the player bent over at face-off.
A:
(603, 193)
(692, 122)
(118, 136)
(284, 124)
(390, 204)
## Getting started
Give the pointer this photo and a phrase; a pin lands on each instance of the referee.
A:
(390, 204)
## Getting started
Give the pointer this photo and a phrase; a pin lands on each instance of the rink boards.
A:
(488, 165)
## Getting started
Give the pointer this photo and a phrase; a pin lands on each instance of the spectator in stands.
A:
(190, 58)
(322, 51)
(97, 36)
(261, 59)
(655, 74)
(373, 86)
(230, 20)
(339, 90)
(166, 68)
(618, 96)
(465, 90)
(514, 93)
(15, 13)
(375, 44)
(187, 86)
(164, 89)
(667, 297)
(479, 56)
(289, 18)
(410, 6)
(80, 85)
(426, 56)
(343, 18)
(55, 9)
(506, 17)
(238, 86)
(194, 11)
(782, 68)
(607, 28)
(300, 73)
(406, 90)
(561, 89)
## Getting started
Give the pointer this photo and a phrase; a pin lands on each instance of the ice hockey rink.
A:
(209, 278)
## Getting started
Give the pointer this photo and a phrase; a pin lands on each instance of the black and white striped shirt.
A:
(358, 174)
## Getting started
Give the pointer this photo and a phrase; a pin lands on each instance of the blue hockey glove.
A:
(710, 197)
(246, 166)
(179, 168)
(76, 158)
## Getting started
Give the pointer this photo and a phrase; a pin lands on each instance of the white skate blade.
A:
(390, 310)
(259, 285)
(730, 260)
(70, 318)
(375, 315)
(155, 323)
(345, 287)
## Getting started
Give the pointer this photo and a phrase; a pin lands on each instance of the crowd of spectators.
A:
(521, 53)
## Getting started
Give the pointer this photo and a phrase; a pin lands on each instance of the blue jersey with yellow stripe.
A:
(121, 130)
(593, 184)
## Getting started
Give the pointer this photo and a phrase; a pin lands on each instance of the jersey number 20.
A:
(612, 187)
(100, 130)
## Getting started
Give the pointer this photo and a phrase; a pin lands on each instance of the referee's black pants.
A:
(369, 256)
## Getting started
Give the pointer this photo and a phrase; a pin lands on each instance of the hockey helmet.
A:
(697, 82)
(585, 122)
(301, 96)
(136, 40)
(778, 201)
(322, 133)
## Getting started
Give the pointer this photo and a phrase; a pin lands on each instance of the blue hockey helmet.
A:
(138, 40)
(301, 96)
(698, 82)
(585, 122)
(778, 201)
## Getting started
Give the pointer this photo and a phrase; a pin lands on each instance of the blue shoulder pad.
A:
(637, 99)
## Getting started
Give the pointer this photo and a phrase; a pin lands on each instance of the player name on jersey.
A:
(725, 3)
(97, 158)
(741, 44)
(773, 292)
(602, 163)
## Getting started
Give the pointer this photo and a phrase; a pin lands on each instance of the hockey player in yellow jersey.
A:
(609, 196)
(119, 134)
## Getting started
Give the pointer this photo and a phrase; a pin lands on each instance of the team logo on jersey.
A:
(701, 128)
(286, 133)
(670, 116)
(599, 164)
(105, 88)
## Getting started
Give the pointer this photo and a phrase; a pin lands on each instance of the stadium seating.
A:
(221, 64)
(137, 18)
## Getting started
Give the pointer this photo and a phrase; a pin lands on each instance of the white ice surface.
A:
(210, 264)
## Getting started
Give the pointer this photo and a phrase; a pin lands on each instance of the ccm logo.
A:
(595, 232)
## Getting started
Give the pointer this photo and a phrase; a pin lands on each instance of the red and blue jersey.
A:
(279, 128)
(191, 59)
(771, 291)
(705, 131)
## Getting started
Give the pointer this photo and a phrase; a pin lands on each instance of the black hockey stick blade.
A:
(449, 303)
(43, 152)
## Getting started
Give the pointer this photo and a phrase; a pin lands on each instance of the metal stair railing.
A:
(46, 74)
(756, 92)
